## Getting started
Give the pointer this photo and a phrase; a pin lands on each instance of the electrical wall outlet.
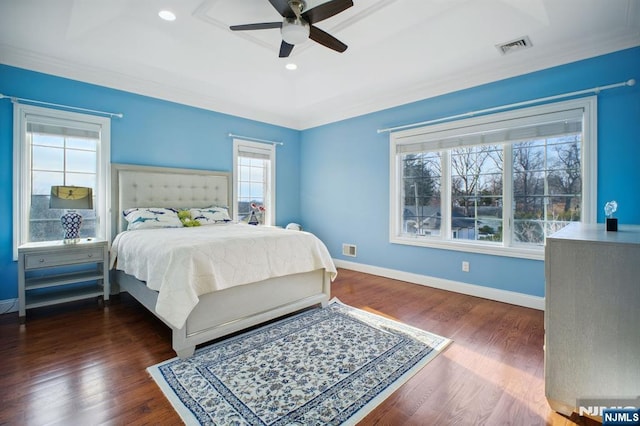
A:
(465, 266)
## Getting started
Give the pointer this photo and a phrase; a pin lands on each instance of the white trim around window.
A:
(29, 115)
(504, 130)
(260, 174)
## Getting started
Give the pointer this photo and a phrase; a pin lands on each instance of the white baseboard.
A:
(8, 305)
(506, 296)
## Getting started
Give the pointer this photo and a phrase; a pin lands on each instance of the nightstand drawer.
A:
(68, 257)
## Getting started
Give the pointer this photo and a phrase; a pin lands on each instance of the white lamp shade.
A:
(71, 197)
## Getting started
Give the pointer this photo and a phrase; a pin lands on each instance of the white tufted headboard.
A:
(146, 186)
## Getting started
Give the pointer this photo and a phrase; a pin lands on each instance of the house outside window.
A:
(496, 184)
(254, 180)
(54, 147)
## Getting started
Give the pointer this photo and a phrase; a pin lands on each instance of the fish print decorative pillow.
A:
(151, 217)
(211, 215)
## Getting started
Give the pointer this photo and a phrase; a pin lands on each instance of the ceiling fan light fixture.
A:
(295, 31)
(298, 24)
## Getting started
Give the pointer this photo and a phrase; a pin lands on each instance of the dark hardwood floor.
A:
(77, 364)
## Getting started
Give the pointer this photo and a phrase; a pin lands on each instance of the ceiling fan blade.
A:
(283, 8)
(262, 26)
(326, 10)
(326, 39)
(285, 49)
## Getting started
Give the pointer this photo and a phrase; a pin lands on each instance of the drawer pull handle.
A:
(90, 255)
(41, 261)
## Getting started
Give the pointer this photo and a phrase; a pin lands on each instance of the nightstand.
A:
(53, 272)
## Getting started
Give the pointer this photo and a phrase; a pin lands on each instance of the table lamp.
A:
(71, 198)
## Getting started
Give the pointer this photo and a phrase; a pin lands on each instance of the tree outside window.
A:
(504, 182)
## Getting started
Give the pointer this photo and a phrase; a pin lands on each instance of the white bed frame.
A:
(223, 312)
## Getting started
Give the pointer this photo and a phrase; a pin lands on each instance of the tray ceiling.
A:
(399, 50)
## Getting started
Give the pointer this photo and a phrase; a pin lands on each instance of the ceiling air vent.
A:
(514, 45)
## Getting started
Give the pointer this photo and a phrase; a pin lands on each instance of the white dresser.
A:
(592, 315)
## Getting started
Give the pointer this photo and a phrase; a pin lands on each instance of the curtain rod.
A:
(232, 135)
(15, 99)
(595, 90)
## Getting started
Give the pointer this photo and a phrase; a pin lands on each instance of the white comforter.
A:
(184, 263)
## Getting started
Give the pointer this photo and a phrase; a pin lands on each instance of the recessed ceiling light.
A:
(167, 15)
(291, 66)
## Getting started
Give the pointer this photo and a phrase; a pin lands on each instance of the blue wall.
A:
(152, 132)
(345, 178)
(334, 179)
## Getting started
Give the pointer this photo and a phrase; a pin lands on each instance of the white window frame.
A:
(22, 167)
(270, 189)
(588, 164)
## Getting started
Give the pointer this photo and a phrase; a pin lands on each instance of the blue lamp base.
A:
(71, 223)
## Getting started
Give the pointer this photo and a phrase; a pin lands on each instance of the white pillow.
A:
(211, 215)
(151, 217)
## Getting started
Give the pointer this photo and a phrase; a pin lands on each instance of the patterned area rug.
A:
(328, 365)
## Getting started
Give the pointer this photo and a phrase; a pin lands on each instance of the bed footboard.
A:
(228, 311)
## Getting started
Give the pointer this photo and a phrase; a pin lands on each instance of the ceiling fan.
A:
(298, 24)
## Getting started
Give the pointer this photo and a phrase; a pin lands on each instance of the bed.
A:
(220, 307)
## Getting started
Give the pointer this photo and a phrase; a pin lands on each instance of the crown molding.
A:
(352, 105)
(127, 82)
(341, 107)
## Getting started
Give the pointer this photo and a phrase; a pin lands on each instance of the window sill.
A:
(471, 247)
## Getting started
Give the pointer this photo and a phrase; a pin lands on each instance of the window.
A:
(53, 147)
(254, 180)
(496, 184)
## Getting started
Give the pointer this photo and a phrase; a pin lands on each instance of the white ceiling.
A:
(399, 50)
